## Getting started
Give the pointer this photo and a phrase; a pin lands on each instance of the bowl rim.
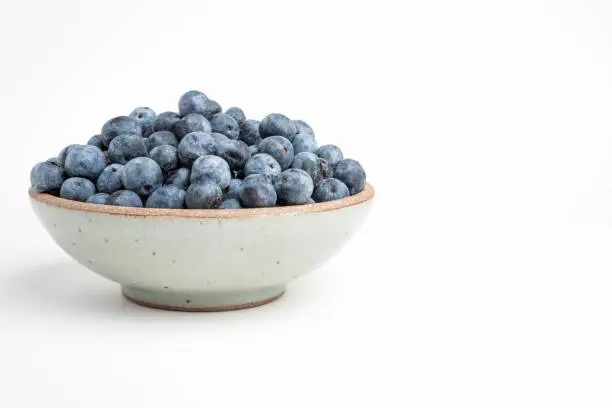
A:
(364, 196)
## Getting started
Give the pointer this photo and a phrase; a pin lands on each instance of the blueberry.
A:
(276, 124)
(230, 204)
(121, 125)
(144, 116)
(179, 177)
(192, 102)
(77, 189)
(256, 194)
(142, 175)
(327, 171)
(165, 121)
(304, 143)
(238, 115)
(166, 156)
(147, 131)
(226, 125)
(310, 201)
(331, 153)
(232, 189)
(194, 145)
(124, 198)
(262, 163)
(47, 178)
(99, 198)
(303, 127)
(211, 168)
(96, 140)
(311, 164)
(61, 157)
(54, 161)
(191, 123)
(330, 189)
(85, 161)
(204, 195)
(249, 132)
(278, 147)
(253, 150)
(257, 178)
(170, 196)
(124, 148)
(161, 138)
(351, 173)
(219, 138)
(109, 180)
(293, 187)
(234, 152)
(211, 108)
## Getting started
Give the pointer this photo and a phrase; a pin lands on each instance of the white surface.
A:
(482, 277)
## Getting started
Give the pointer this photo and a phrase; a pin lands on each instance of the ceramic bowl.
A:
(201, 260)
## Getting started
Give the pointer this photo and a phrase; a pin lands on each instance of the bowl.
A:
(201, 260)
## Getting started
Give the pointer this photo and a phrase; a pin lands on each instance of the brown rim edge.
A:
(365, 195)
(228, 308)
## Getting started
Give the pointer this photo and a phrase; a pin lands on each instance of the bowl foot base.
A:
(167, 299)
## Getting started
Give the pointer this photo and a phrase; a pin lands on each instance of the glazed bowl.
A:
(201, 260)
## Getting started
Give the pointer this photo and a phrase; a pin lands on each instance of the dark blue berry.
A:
(142, 175)
(232, 189)
(253, 150)
(249, 132)
(211, 108)
(211, 168)
(165, 121)
(109, 180)
(124, 148)
(121, 125)
(293, 187)
(262, 163)
(61, 157)
(331, 153)
(278, 147)
(254, 194)
(194, 145)
(276, 124)
(166, 156)
(77, 189)
(99, 198)
(238, 115)
(169, 196)
(144, 116)
(179, 177)
(230, 204)
(191, 123)
(96, 140)
(311, 164)
(351, 173)
(205, 195)
(225, 125)
(304, 143)
(161, 138)
(234, 152)
(47, 178)
(124, 198)
(330, 189)
(85, 161)
(192, 102)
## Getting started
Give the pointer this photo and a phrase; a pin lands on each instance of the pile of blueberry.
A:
(200, 158)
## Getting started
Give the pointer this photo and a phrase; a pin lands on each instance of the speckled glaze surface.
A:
(201, 260)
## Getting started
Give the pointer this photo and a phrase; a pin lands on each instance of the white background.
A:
(482, 277)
